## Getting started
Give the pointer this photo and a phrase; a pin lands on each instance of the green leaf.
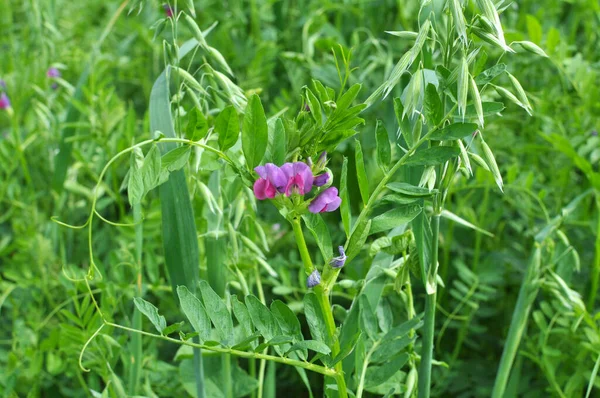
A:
(357, 239)
(316, 346)
(361, 173)
(176, 158)
(150, 170)
(315, 318)
(402, 329)
(287, 320)
(277, 148)
(318, 229)
(218, 313)
(407, 189)
(395, 218)
(454, 131)
(346, 99)
(315, 107)
(195, 313)
(243, 316)
(384, 150)
(489, 74)
(135, 184)
(433, 156)
(227, 126)
(368, 321)
(488, 108)
(255, 134)
(345, 206)
(390, 348)
(197, 126)
(434, 110)
(151, 312)
(263, 320)
(377, 375)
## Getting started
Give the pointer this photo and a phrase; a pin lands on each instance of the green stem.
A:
(527, 295)
(304, 255)
(323, 299)
(596, 269)
(136, 340)
(243, 354)
(429, 326)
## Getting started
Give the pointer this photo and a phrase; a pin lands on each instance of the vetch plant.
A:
(373, 343)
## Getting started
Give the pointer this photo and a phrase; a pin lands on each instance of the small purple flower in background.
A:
(313, 279)
(53, 73)
(338, 262)
(272, 180)
(594, 133)
(4, 101)
(2, 84)
(328, 200)
(168, 10)
(299, 178)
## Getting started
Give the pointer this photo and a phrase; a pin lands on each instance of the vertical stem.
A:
(596, 269)
(429, 326)
(527, 295)
(262, 365)
(304, 255)
(323, 299)
(226, 358)
(136, 340)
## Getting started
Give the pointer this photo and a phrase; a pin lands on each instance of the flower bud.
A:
(338, 262)
(313, 279)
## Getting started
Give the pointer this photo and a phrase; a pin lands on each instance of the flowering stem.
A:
(325, 306)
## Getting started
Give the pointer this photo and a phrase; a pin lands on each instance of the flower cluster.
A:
(298, 178)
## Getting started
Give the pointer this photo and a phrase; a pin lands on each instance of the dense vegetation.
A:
(143, 254)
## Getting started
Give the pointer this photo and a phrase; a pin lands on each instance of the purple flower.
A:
(272, 180)
(594, 133)
(338, 262)
(322, 179)
(328, 200)
(2, 84)
(53, 73)
(54, 86)
(299, 178)
(313, 279)
(168, 10)
(4, 101)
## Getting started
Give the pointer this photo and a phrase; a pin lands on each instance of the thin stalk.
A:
(429, 326)
(243, 354)
(323, 299)
(596, 269)
(136, 340)
(263, 364)
(527, 295)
